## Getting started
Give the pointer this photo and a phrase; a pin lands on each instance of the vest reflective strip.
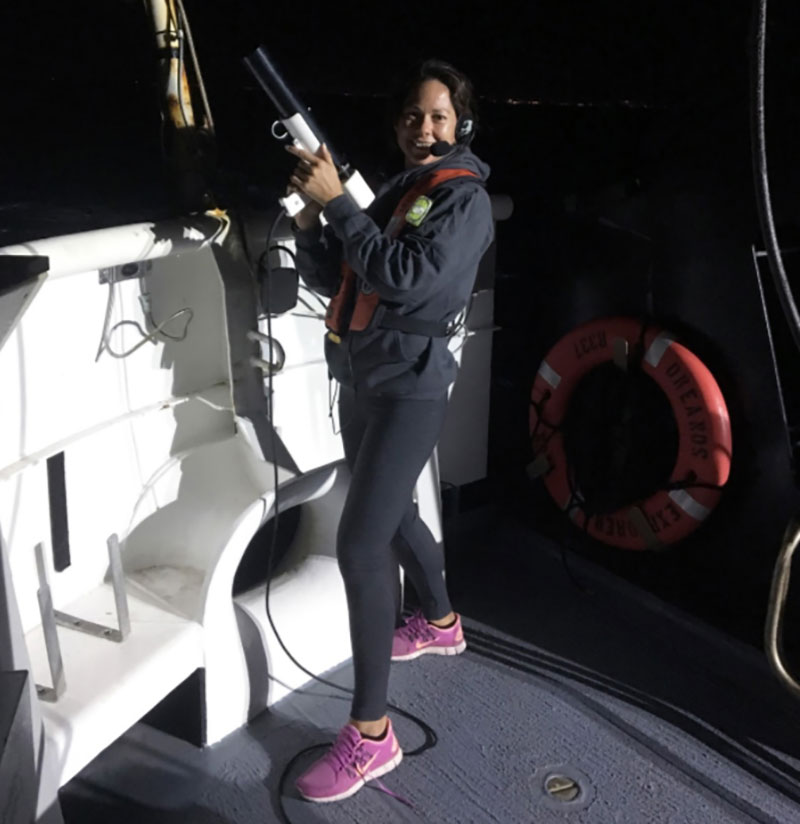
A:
(549, 374)
(689, 505)
(656, 350)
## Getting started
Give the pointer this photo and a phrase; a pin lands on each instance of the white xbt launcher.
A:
(300, 126)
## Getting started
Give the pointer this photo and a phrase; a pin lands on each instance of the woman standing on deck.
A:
(398, 273)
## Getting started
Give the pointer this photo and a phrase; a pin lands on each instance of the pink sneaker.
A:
(349, 764)
(418, 637)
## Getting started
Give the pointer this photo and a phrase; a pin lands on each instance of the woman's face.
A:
(428, 116)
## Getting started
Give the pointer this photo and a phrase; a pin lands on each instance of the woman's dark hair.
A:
(458, 84)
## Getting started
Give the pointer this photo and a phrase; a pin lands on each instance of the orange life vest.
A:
(364, 303)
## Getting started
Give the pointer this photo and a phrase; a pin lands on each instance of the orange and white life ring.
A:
(703, 460)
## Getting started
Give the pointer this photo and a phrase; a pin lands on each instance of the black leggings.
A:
(386, 442)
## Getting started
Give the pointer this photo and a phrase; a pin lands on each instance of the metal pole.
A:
(773, 634)
(169, 40)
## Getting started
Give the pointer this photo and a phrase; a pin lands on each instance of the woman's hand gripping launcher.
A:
(299, 124)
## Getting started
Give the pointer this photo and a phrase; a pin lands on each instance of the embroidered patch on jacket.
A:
(417, 213)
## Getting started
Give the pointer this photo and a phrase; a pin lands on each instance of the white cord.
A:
(151, 336)
(158, 330)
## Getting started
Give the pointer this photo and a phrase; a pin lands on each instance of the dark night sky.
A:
(81, 119)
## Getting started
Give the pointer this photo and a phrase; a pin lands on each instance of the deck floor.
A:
(657, 719)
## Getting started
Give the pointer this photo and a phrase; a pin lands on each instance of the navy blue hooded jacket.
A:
(426, 272)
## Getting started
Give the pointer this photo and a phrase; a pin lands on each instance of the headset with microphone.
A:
(465, 131)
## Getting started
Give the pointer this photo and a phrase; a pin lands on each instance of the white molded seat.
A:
(179, 566)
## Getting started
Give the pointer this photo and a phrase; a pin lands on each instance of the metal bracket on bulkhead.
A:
(52, 646)
(53, 617)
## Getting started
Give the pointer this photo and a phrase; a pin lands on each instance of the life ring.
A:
(703, 458)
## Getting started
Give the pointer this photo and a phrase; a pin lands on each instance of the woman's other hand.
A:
(315, 176)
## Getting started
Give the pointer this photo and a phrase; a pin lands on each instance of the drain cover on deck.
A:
(562, 787)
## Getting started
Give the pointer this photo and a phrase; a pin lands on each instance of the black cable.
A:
(316, 296)
(314, 313)
(428, 731)
(277, 247)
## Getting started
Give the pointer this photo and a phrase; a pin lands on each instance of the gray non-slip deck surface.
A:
(655, 720)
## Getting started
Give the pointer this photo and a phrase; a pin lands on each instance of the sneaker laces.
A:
(347, 754)
(344, 754)
(379, 785)
(417, 627)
